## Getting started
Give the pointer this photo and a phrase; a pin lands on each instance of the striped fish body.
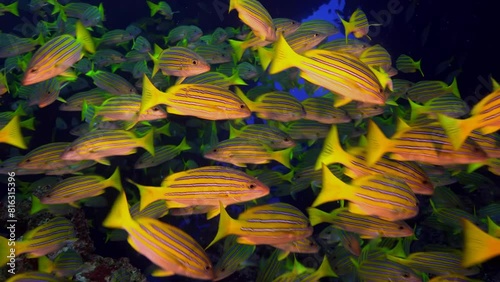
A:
(364, 225)
(46, 157)
(354, 47)
(375, 195)
(428, 144)
(127, 107)
(321, 26)
(485, 116)
(111, 83)
(215, 54)
(321, 110)
(306, 130)
(273, 224)
(278, 105)
(167, 246)
(489, 143)
(99, 144)
(253, 14)
(437, 263)
(170, 248)
(340, 73)
(162, 154)
(74, 103)
(447, 104)
(239, 151)
(156, 209)
(232, 260)
(285, 26)
(53, 58)
(304, 39)
(180, 61)
(57, 55)
(409, 172)
(376, 56)
(431, 145)
(215, 78)
(271, 136)
(205, 186)
(73, 189)
(358, 111)
(406, 64)
(426, 90)
(46, 238)
(357, 24)
(303, 246)
(67, 264)
(380, 269)
(115, 37)
(276, 223)
(200, 100)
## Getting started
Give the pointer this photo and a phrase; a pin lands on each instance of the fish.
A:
(161, 8)
(379, 269)
(340, 73)
(99, 144)
(406, 64)
(240, 151)
(123, 107)
(232, 260)
(57, 55)
(357, 166)
(66, 264)
(484, 116)
(375, 195)
(265, 224)
(426, 90)
(200, 100)
(111, 83)
(205, 186)
(44, 239)
(253, 14)
(178, 61)
(162, 154)
(167, 246)
(427, 144)
(76, 188)
(321, 110)
(434, 262)
(364, 225)
(271, 136)
(357, 25)
(302, 246)
(275, 105)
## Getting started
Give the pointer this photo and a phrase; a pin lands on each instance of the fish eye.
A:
(311, 243)
(401, 227)
(286, 140)
(223, 269)
(316, 34)
(214, 150)
(242, 106)
(27, 161)
(156, 109)
(252, 186)
(71, 149)
(33, 70)
(406, 275)
(195, 62)
(207, 267)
